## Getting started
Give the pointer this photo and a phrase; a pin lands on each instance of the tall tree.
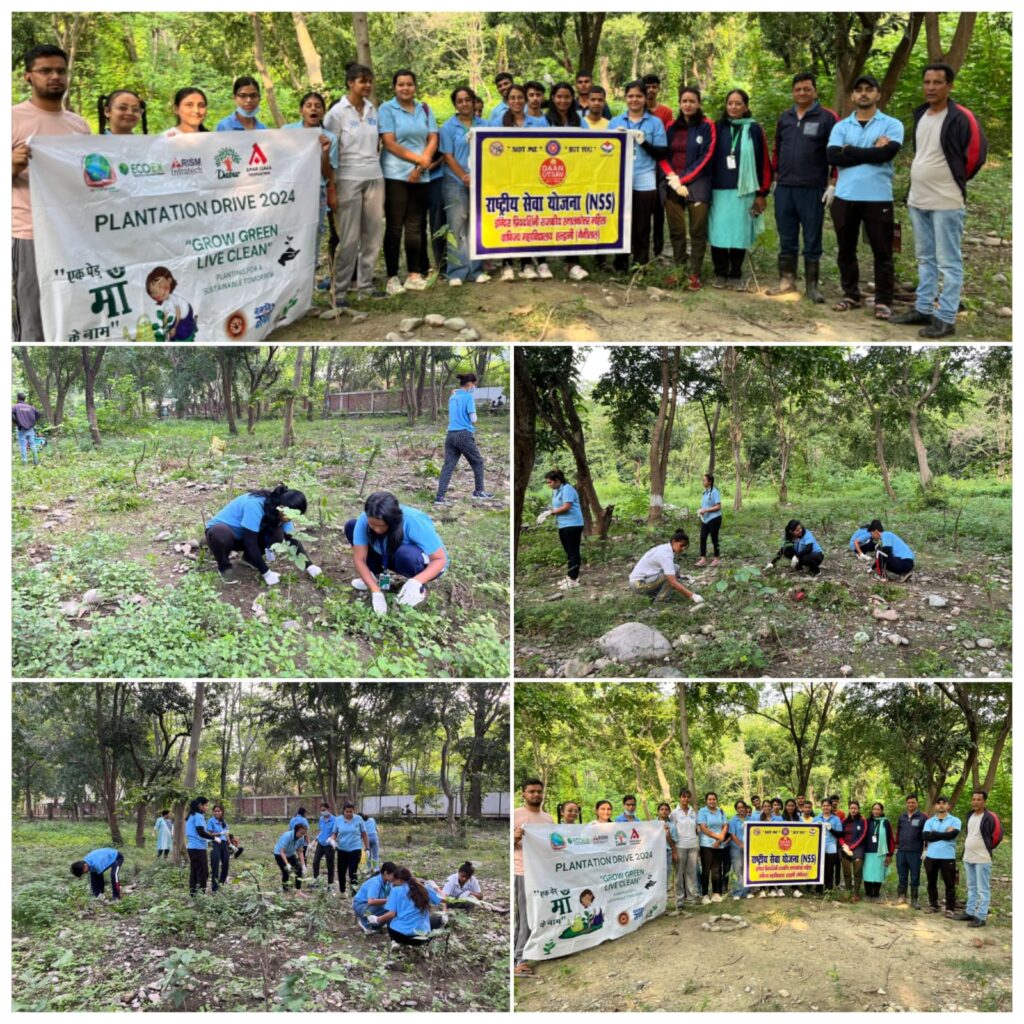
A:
(191, 770)
(310, 54)
(92, 358)
(289, 405)
(264, 72)
(524, 450)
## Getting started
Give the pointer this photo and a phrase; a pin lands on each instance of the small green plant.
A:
(183, 966)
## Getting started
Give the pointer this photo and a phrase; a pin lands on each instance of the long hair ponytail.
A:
(417, 890)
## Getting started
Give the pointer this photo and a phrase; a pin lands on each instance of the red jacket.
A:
(962, 140)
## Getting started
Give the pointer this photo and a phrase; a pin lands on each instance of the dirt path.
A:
(818, 956)
(609, 310)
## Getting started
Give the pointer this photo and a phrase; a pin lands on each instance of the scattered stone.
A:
(602, 663)
(434, 320)
(860, 637)
(576, 668)
(846, 670)
(392, 336)
(994, 242)
(69, 609)
(291, 624)
(955, 611)
(657, 294)
(633, 641)
(1005, 312)
(985, 644)
(550, 674)
(358, 318)
(683, 640)
(664, 672)
(936, 601)
(468, 334)
(328, 314)
(707, 629)
(969, 645)
(886, 614)
(40, 508)
(1000, 279)
(895, 639)
(409, 324)
(783, 993)
(164, 535)
(454, 323)
(92, 597)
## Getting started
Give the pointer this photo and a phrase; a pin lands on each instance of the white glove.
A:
(216, 839)
(313, 570)
(270, 577)
(380, 603)
(794, 561)
(372, 918)
(269, 556)
(696, 599)
(770, 565)
(827, 196)
(636, 134)
(543, 516)
(412, 594)
(677, 186)
(865, 557)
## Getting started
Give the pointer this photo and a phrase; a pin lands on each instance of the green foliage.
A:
(36, 906)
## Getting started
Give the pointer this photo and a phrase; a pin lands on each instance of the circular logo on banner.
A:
(552, 172)
(624, 918)
(97, 171)
(235, 325)
(496, 148)
(553, 148)
(785, 842)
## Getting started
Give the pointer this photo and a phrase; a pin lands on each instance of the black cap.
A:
(870, 79)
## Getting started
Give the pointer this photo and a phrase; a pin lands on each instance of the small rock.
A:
(163, 535)
(455, 323)
(1005, 312)
(40, 508)
(409, 324)
(358, 318)
(861, 637)
(955, 611)
(69, 608)
(434, 320)
(886, 615)
(985, 644)
(683, 640)
(783, 993)
(468, 334)
(392, 336)
(327, 314)
(633, 641)
(291, 624)
(576, 668)
(846, 670)
(92, 596)
(969, 645)
(549, 674)
(1000, 279)
(602, 663)
(707, 630)
(936, 601)
(895, 639)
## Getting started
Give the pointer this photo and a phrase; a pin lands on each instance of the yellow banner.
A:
(780, 853)
(549, 192)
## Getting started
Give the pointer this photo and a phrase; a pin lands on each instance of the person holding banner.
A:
(878, 850)
(189, 112)
(408, 133)
(736, 848)
(852, 845)
(671, 837)
(628, 809)
(119, 112)
(833, 834)
(602, 812)
(714, 832)
(563, 113)
(741, 176)
(596, 106)
(454, 145)
(535, 100)
(565, 507)
(43, 113)
(570, 813)
(246, 91)
(529, 814)
(502, 82)
(650, 144)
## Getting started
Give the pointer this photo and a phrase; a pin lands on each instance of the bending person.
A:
(372, 896)
(460, 440)
(97, 862)
(407, 911)
(290, 856)
(893, 557)
(862, 544)
(656, 576)
(801, 548)
(389, 539)
(252, 523)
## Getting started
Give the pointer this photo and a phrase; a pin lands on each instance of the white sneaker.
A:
(454, 282)
(568, 584)
(750, 895)
(359, 584)
(544, 272)
(797, 894)
(780, 892)
(415, 283)
(737, 897)
(508, 273)
(762, 895)
(394, 287)
(706, 900)
(481, 278)
(528, 273)
(577, 273)
(716, 898)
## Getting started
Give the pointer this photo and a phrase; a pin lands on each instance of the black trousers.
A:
(405, 210)
(460, 443)
(946, 868)
(324, 851)
(435, 219)
(221, 541)
(728, 262)
(644, 206)
(712, 869)
(710, 529)
(162, 853)
(877, 219)
(198, 871)
(872, 888)
(571, 538)
(296, 865)
(348, 862)
(97, 879)
(808, 560)
(886, 560)
(220, 856)
(831, 871)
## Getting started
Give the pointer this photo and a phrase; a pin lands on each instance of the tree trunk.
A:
(901, 56)
(140, 824)
(684, 738)
(108, 764)
(289, 405)
(261, 67)
(524, 451)
(919, 447)
(730, 371)
(36, 382)
(957, 52)
(661, 434)
(361, 31)
(433, 385)
(91, 367)
(310, 55)
(191, 770)
(227, 373)
(314, 352)
(711, 425)
(588, 35)
(883, 465)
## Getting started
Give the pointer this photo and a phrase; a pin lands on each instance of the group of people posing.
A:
(393, 176)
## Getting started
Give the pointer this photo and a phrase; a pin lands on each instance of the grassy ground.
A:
(756, 623)
(85, 520)
(157, 949)
(609, 307)
(812, 954)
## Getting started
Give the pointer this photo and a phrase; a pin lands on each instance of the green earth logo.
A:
(123, 168)
(97, 171)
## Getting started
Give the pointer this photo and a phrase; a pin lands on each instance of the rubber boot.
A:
(915, 902)
(787, 276)
(812, 268)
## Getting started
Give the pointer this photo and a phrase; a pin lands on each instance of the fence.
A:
(495, 805)
(380, 402)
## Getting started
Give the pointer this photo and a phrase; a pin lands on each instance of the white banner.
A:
(589, 883)
(200, 237)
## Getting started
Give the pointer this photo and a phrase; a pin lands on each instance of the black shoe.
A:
(228, 577)
(913, 317)
(964, 917)
(976, 923)
(937, 329)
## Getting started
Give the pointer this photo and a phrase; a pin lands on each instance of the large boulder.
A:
(633, 641)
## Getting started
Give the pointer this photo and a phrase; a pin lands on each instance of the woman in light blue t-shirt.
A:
(565, 507)
(710, 516)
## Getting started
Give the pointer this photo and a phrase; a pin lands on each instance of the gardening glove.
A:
(372, 918)
(827, 197)
(269, 556)
(636, 135)
(543, 516)
(794, 561)
(270, 577)
(677, 186)
(313, 570)
(380, 603)
(412, 593)
(770, 565)
(696, 599)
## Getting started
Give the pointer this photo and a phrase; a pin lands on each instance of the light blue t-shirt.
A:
(644, 165)
(374, 888)
(288, 844)
(707, 499)
(714, 820)
(866, 182)
(736, 827)
(101, 859)
(861, 536)
(409, 920)
(299, 819)
(900, 548)
(411, 130)
(333, 154)
(495, 116)
(164, 832)
(417, 529)
(232, 124)
(218, 827)
(628, 817)
(193, 840)
(454, 139)
(460, 408)
(326, 829)
(349, 833)
(941, 849)
(831, 822)
(244, 513)
(371, 828)
(806, 541)
(561, 495)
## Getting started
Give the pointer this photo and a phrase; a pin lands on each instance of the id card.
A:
(384, 581)
(730, 161)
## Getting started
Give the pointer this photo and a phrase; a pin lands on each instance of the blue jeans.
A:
(937, 237)
(374, 852)
(456, 204)
(737, 867)
(978, 891)
(26, 440)
(795, 208)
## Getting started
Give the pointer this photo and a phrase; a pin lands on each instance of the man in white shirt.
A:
(685, 819)
(655, 574)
